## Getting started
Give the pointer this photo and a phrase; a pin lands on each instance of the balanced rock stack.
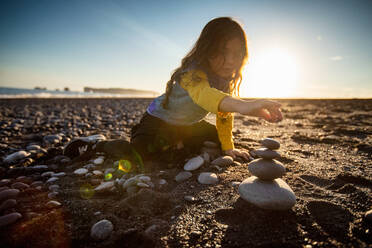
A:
(265, 189)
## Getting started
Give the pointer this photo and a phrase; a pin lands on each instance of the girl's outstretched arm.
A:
(267, 109)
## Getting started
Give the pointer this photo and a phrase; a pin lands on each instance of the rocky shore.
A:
(50, 200)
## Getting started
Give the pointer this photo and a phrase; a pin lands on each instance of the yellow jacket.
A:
(195, 82)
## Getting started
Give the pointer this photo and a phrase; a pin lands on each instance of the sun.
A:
(271, 73)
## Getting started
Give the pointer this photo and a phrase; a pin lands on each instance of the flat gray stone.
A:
(267, 153)
(9, 219)
(270, 143)
(81, 171)
(101, 230)
(266, 169)
(183, 176)
(275, 195)
(16, 156)
(207, 178)
(223, 161)
(52, 180)
(194, 163)
(104, 186)
(8, 193)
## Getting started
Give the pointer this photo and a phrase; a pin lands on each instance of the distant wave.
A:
(37, 93)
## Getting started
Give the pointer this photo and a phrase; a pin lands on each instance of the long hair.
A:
(213, 36)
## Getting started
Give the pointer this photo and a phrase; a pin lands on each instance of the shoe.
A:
(77, 147)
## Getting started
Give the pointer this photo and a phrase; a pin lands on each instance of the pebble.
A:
(130, 182)
(53, 204)
(101, 230)
(39, 167)
(60, 174)
(162, 182)
(52, 139)
(266, 169)
(266, 153)
(183, 176)
(4, 182)
(189, 198)
(80, 172)
(8, 204)
(92, 138)
(97, 173)
(52, 180)
(19, 185)
(37, 183)
(207, 178)
(54, 187)
(16, 156)
(9, 219)
(144, 178)
(194, 163)
(52, 195)
(99, 160)
(223, 161)
(270, 143)
(206, 157)
(8, 193)
(275, 195)
(143, 185)
(47, 174)
(368, 216)
(234, 184)
(105, 186)
(33, 147)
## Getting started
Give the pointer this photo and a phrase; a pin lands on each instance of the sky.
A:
(298, 48)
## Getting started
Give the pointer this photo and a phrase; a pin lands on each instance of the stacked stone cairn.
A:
(265, 189)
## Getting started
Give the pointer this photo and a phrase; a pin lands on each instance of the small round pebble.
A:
(207, 178)
(101, 230)
(81, 171)
(194, 163)
(183, 176)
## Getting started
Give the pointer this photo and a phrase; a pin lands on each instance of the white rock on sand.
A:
(275, 195)
(207, 178)
(194, 163)
(101, 230)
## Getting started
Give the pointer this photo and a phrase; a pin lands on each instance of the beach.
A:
(325, 145)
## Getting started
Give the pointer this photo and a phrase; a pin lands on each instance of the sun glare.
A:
(271, 73)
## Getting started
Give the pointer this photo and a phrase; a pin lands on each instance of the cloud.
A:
(336, 58)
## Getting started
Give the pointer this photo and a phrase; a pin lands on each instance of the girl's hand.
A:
(240, 153)
(269, 110)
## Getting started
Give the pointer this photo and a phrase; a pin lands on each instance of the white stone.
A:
(53, 204)
(143, 185)
(183, 176)
(16, 156)
(60, 174)
(97, 173)
(145, 178)
(266, 153)
(275, 195)
(270, 143)
(47, 174)
(223, 161)
(162, 181)
(9, 219)
(81, 171)
(33, 147)
(52, 180)
(99, 160)
(189, 198)
(207, 178)
(101, 230)
(105, 186)
(266, 169)
(194, 163)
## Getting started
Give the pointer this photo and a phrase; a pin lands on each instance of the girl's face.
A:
(226, 61)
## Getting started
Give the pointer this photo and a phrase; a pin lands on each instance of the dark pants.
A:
(153, 138)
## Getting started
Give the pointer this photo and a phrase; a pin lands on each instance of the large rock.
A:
(275, 195)
(266, 169)
(267, 153)
(101, 230)
(194, 163)
(270, 143)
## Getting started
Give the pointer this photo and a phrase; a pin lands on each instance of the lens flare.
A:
(108, 176)
(86, 191)
(125, 165)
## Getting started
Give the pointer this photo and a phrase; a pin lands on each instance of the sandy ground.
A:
(326, 146)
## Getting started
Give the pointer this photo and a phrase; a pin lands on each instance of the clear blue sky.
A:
(137, 44)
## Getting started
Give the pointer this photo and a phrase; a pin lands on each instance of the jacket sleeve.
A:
(196, 84)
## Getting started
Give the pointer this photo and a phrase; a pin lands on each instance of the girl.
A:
(209, 75)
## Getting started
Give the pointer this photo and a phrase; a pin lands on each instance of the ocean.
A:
(6, 92)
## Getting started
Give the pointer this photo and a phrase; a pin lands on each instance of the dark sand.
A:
(326, 146)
